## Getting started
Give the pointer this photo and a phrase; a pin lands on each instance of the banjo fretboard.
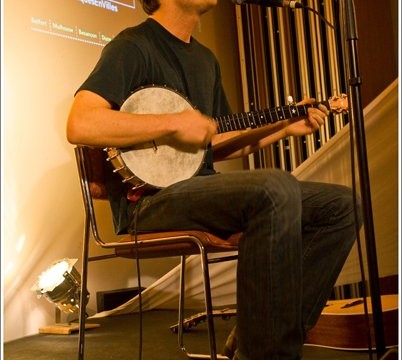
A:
(259, 118)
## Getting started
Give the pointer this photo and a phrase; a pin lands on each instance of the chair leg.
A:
(84, 291)
(181, 303)
(208, 310)
(208, 305)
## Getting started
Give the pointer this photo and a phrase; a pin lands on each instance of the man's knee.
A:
(277, 189)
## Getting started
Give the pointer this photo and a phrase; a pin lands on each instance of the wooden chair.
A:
(91, 168)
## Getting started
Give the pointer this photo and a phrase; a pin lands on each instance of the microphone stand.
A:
(357, 116)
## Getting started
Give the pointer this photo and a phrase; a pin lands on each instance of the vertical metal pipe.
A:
(293, 54)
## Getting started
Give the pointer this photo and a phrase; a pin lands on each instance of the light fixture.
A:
(60, 285)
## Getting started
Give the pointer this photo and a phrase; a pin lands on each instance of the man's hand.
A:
(193, 131)
(311, 123)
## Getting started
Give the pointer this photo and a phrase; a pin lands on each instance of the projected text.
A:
(50, 27)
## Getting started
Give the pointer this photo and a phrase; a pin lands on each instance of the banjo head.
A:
(157, 165)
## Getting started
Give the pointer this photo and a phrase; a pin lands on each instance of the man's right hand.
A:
(192, 130)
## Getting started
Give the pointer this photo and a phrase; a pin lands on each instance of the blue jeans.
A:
(297, 236)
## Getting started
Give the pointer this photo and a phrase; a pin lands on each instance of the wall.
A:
(42, 213)
(377, 44)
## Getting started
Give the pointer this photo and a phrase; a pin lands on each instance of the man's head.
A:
(150, 6)
(201, 6)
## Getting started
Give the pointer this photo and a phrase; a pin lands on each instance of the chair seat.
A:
(175, 243)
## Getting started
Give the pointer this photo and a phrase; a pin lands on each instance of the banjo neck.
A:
(259, 118)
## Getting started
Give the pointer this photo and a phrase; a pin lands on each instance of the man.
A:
(296, 235)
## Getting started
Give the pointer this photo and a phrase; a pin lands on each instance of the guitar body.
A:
(342, 324)
(154, 164)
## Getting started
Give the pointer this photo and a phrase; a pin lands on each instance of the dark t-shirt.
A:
(148, 54)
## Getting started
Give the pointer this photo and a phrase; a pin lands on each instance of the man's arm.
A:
(241, 143)
(93, 122)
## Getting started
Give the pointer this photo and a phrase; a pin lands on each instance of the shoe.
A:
(231, 345)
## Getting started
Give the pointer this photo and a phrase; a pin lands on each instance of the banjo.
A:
(159, 165)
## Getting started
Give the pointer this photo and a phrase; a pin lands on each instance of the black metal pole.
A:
(361, 150)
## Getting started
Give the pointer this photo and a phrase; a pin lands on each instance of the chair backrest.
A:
(91, 164)
(92, 168)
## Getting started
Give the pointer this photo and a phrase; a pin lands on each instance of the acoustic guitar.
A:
(160, 165)
(343, 324)
(198, 318)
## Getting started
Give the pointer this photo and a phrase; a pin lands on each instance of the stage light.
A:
(60, 285)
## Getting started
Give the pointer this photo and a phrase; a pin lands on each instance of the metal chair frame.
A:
(150, 245)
